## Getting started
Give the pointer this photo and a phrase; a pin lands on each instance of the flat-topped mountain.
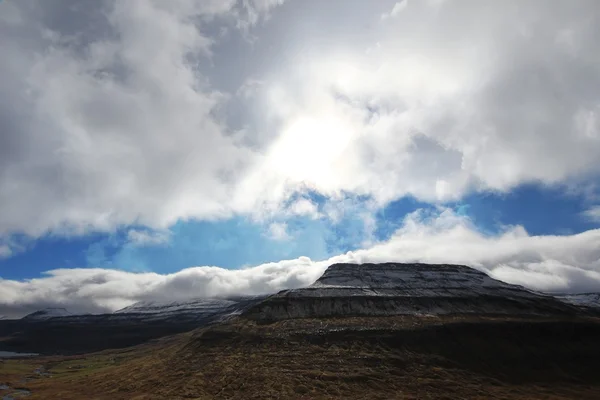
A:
(344, 290)
(406, 289)
(360, 331)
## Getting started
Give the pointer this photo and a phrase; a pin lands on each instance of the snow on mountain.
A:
(155, 307)
(195, 310)
(47, 313)
(213, 308)
(405, 289)
(591, 300)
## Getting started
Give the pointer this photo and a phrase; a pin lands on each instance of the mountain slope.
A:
(590, 300)
(56, 331)
(373, 331)
(406, 289)
(47, 313)
(215, 308)
(155, 307)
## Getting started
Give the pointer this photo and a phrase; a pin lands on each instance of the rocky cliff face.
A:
(405, 289)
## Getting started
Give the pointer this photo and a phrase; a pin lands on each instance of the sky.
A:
(164, 150)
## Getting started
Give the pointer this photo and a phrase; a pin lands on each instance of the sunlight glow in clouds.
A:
(122, 125)
(310, 148)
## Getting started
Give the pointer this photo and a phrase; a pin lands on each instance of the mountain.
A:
(57, 331)
(197, 309)
(47, 313)
(344, 291)
(156, 307)
(380, 331)
(406, 289)
(589, 300)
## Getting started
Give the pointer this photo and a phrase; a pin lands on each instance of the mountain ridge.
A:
(387, 289)
(371, 291)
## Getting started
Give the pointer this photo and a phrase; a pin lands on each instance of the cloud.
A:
(115, 114)
(5, 251)
(397, 9)
(11, 246)
(440, 105)
(101, 290)
(110, 122)
(553, 263)
(304, 207)
(278, 231)
(254, 11)
(110, 136)
(144, 237)
(592, 214)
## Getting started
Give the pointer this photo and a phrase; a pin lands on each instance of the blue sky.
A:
(199, 148)
(240, 242)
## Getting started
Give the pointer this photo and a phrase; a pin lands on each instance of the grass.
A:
(375, 358)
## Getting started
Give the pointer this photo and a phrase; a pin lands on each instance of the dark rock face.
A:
(406, 289)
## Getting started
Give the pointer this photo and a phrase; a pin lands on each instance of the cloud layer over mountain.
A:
(549, 263)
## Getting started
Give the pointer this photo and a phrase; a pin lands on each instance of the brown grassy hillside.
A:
(393, 357)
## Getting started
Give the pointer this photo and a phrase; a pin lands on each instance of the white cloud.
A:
(554, 263)
(304, 207)
(443, 105)
(397, 9)
(5, 251)
(144, 237)
(115, 127)
(254, 10)
(278, 231)
(592, 214)
(114, 116)
(10, 246)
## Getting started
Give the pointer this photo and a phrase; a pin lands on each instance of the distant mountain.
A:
(57, 331)
(212, 308)
(590, 300)
(406, 289)
(156, 307)
(47, 313)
